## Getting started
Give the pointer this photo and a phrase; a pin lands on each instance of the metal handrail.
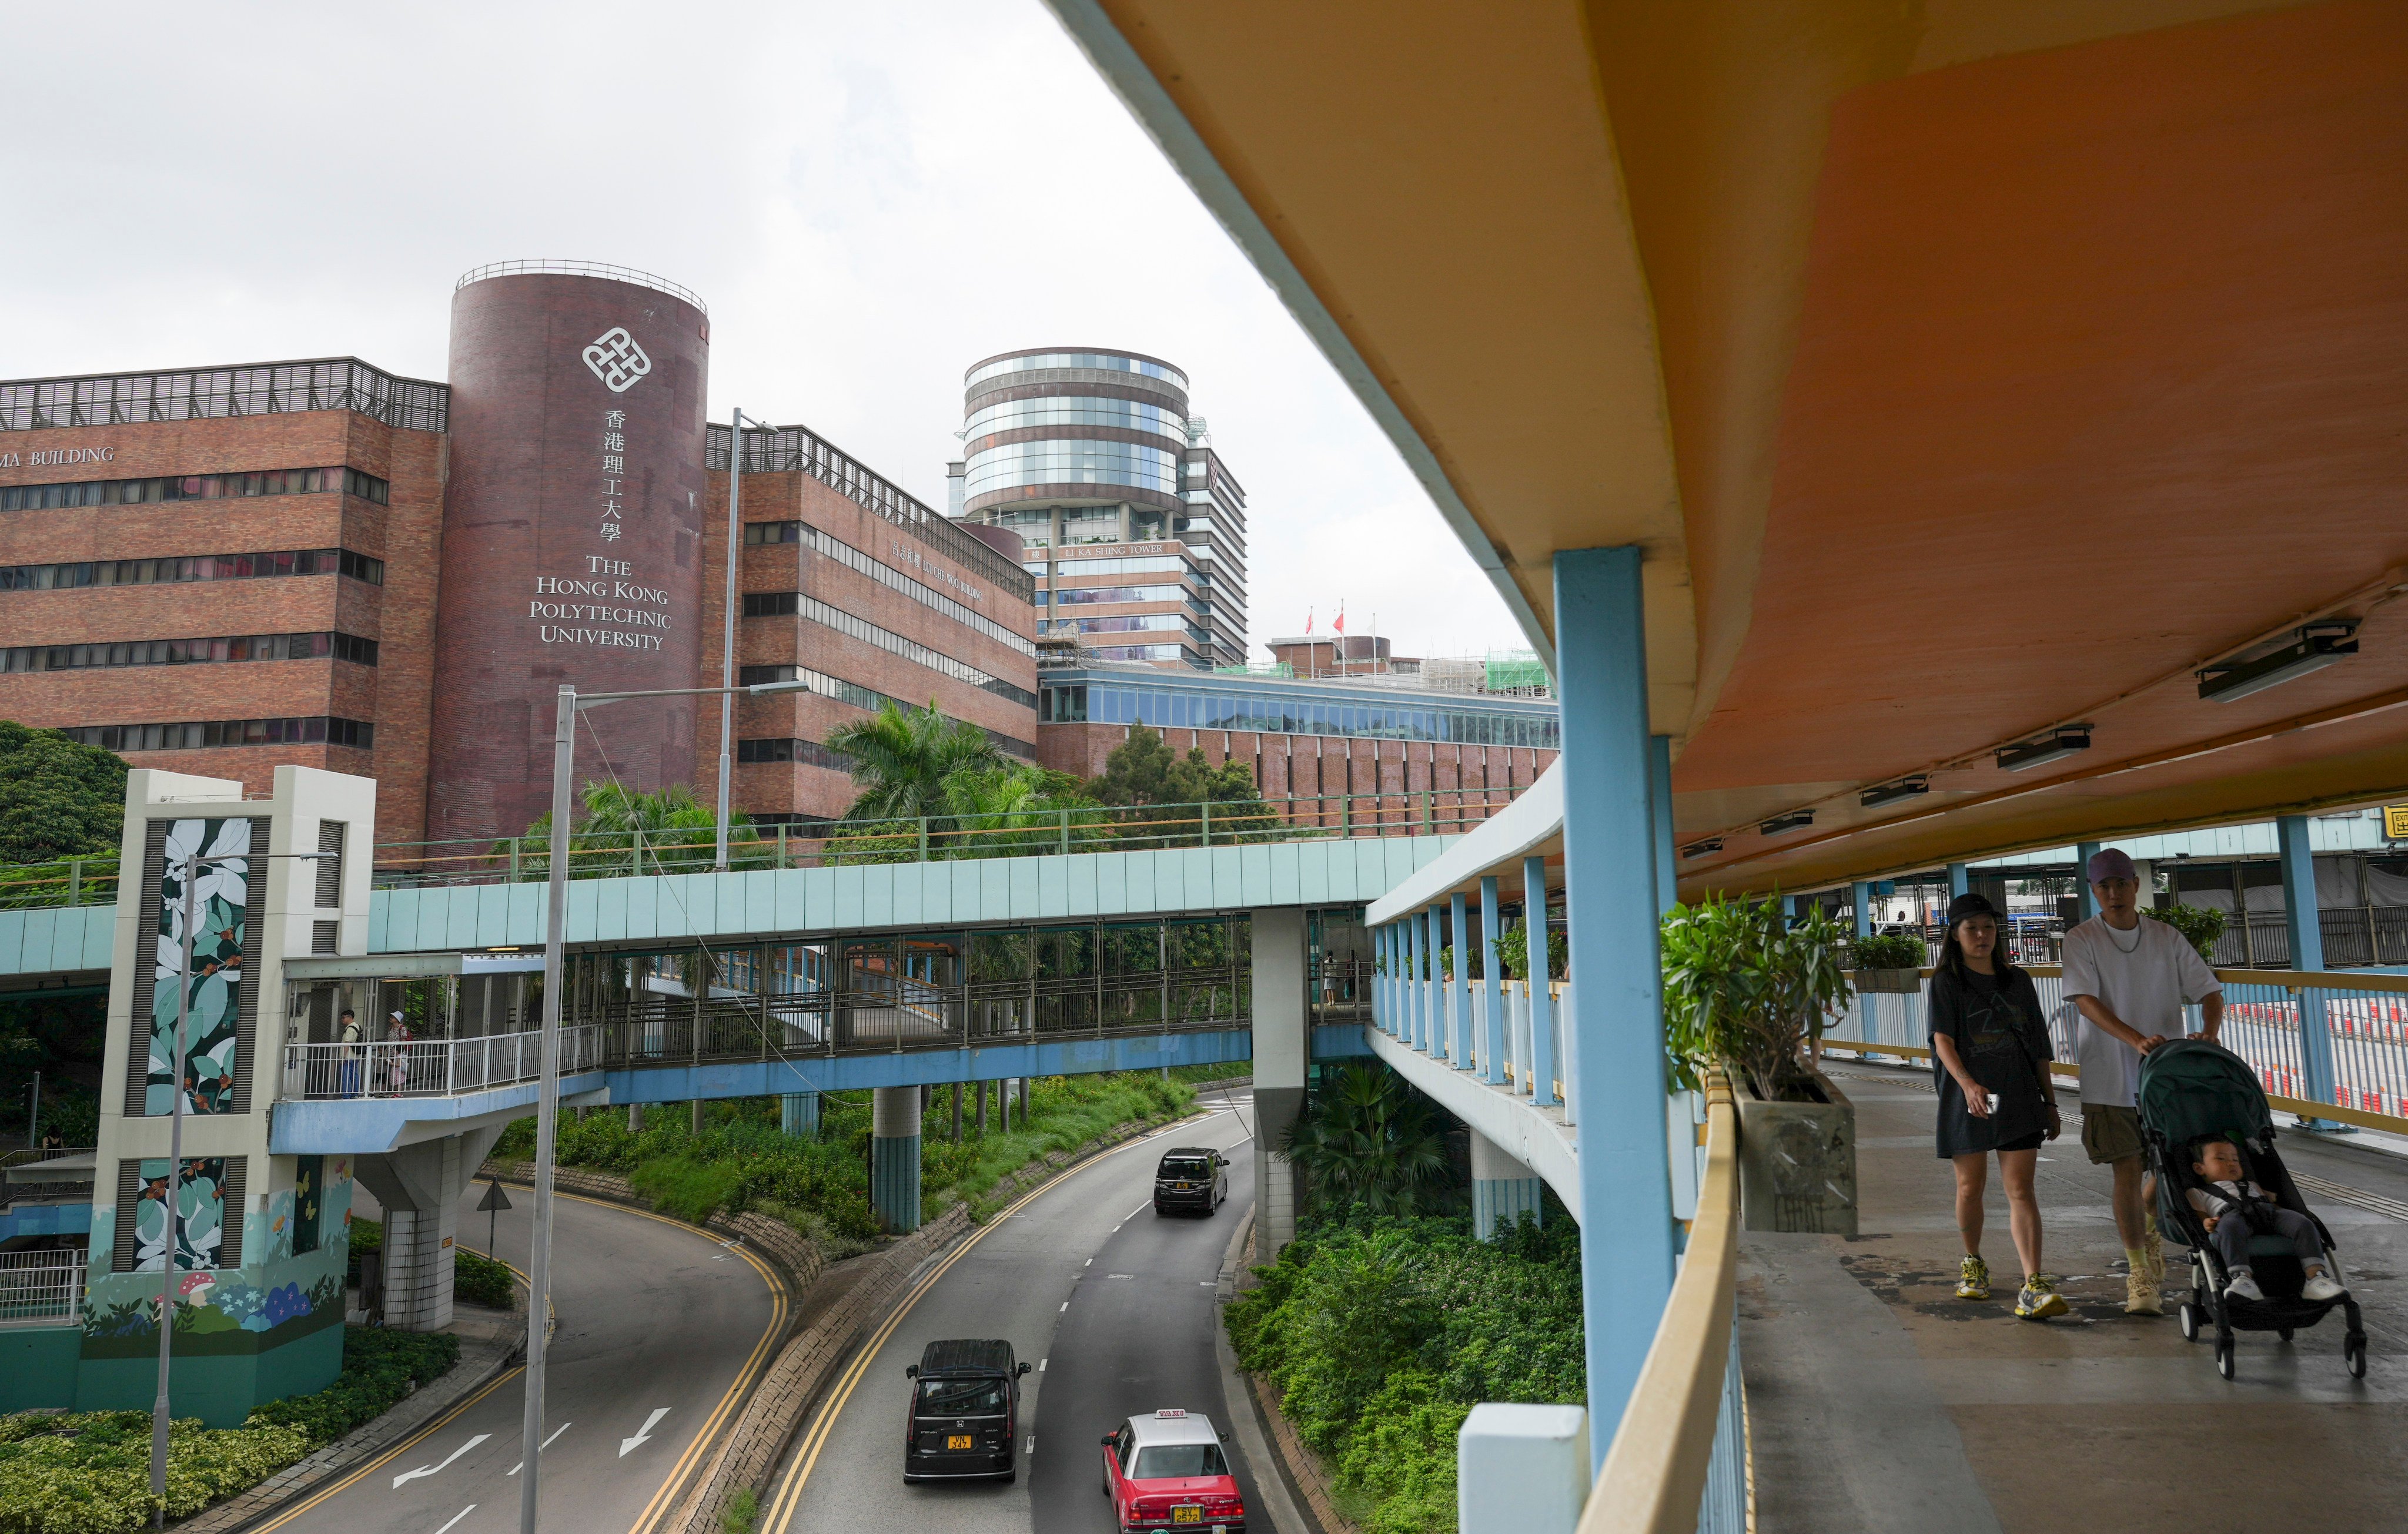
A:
(554, 268)
(430, 1068)
(38, 1288)
(1655, 1475)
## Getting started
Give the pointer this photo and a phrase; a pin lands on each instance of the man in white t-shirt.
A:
(2130, 977)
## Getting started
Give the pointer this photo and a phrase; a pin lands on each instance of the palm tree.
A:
(666, 831)
(904, 760)
(1369, 1140)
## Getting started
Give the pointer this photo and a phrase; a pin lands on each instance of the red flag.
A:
(1308, 620)
(1340, 624)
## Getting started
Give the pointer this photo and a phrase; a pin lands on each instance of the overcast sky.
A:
(868, 197)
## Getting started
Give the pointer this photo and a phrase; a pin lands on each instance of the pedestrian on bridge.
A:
(1990, 1047)
(2130, 977)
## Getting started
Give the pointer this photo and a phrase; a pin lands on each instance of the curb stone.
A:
(1299, 1467)
(1272, 1479)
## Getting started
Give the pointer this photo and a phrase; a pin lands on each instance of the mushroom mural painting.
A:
(212, 993)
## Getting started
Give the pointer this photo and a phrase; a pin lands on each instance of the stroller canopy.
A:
(2191, 1088)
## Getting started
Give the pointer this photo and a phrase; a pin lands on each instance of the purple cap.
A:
(2111, 863)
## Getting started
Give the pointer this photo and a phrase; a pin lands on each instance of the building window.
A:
(196, 487)
(1062, 706)
(176, 569)
(861, 698)
(808, 752)
(256, 647)
(201, 735)
(886, 574)
(781, 604)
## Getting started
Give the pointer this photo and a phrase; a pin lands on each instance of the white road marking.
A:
(1089, 1263)
(644, 1432)
(431, 1470)
(1032, 1449)
(1120, 1275)
(1041, 1366)
(1135, 1212)
(456, 1517)
(538, 1448)
(1066, 1305)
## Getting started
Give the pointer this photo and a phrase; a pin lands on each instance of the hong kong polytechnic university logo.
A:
(617, 360)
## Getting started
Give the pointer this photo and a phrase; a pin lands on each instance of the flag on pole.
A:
(1308, 620)
(1339, 623)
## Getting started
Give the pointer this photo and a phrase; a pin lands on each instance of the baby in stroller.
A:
(2233, 1209)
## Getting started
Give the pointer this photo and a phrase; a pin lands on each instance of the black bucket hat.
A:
(1970, 904)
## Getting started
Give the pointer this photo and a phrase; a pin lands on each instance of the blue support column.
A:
(1435, 1042)
(1492, 988)
(2082, 877)
(801, 1114)
(1789, 911)
(1863, 896)
(2307, 952)
(1383, 971)
(1416, 997)
(1459, 1043)
(1961, 880)
(895, 1157)
(1392, 942)
(1534, 931)
(1659, 797)
(1616, 1027)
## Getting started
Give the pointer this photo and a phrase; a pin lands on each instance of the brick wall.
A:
(404, 534)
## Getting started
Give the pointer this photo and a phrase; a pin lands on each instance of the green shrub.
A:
(742, 1510)
(481, 1281)
(693, 1190)
(2198, 926)
(1891, 951)
(89, 1472)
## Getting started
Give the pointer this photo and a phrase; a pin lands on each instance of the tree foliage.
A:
(58, 798)
(906, 761)
(1143, 771)
(1370, 1141)
(667, 832)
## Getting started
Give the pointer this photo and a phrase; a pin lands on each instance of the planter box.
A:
(1890, 981)
(1798, 1161)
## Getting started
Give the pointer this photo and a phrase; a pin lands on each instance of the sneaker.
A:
(2321, 1287)
(2039, 1299)
(2244, 1286)
(2141, 1297)
(1972, 1278)
(2155, 1245)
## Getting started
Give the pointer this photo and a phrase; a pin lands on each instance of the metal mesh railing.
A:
(209, 393)
(41, 1288)
(431, 1068)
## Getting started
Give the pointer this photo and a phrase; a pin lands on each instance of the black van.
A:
(964, 1416)
(1190, 1177)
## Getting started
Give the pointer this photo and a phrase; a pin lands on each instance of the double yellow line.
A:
(780, 1306)
(807, 1454)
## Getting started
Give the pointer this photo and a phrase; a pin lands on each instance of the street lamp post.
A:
(159, 1413)
(727, 642)
(547, 1117)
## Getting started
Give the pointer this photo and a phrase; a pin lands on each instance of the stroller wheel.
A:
(2188, 1315)
(2283, 1332)
(2353, 1353)
(2224, 1358)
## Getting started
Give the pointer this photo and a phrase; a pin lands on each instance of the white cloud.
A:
(870, 198)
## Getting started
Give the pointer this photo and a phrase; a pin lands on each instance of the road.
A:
(658, 1324)
(1113, 1302)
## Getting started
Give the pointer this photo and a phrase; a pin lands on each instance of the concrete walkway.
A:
(1878, 1401)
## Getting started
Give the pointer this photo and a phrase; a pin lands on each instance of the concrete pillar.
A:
(635, 1118)
(1503, 1189)
(1459, 1043)
(2082, 877)
(799, 1114)
(957, 1112)
(1789, 909)
(1414, 993)
(2145, 871)
(1492, 988)
(1961, 880)
(980, 1088)
(1863, 895)
(2307, 952)
(1659, 794)
(1534, 932)
(1283, 1052)
(1616, 1027)
(1434, 986)
(895, 1157)
(420, 1187)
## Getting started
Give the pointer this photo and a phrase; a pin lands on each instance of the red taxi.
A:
(1167, 1470)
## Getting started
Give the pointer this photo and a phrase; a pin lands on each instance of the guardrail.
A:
(610, 855)
(40, 1176)
(1458, 1029)
(41, 1288)
(1679, 1459)
(431, 1068)
(2324, 1045)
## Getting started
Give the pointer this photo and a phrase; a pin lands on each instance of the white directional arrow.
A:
(644, 1432)
(430, 1470)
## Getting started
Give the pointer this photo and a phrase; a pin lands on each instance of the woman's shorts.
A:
(2026, 1142)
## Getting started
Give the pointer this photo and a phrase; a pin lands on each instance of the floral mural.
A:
(211, 996)
(199, 1226)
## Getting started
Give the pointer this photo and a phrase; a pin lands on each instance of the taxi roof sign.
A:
(1170, 1411)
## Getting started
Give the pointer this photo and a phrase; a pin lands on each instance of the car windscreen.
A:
(1194, 1168)
(1166, 1461)
(967, 1398)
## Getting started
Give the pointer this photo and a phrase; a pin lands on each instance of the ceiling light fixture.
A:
(1793, 821)
(2055, 746)
(1700, 849)
(1905, 788)
(2316, 646)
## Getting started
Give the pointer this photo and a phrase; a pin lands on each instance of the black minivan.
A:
(964, 1411)
(1190, 1177)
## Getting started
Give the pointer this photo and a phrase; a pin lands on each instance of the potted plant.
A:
(1745, 987)
(1891, 964)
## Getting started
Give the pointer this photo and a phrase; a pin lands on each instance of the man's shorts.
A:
(2110, 1133)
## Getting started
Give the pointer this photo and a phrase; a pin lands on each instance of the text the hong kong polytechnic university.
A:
(564, 602)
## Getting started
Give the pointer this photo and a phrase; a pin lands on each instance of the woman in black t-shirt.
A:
(1990, 1052)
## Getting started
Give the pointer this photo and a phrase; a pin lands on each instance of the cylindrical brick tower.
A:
(571, 536)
